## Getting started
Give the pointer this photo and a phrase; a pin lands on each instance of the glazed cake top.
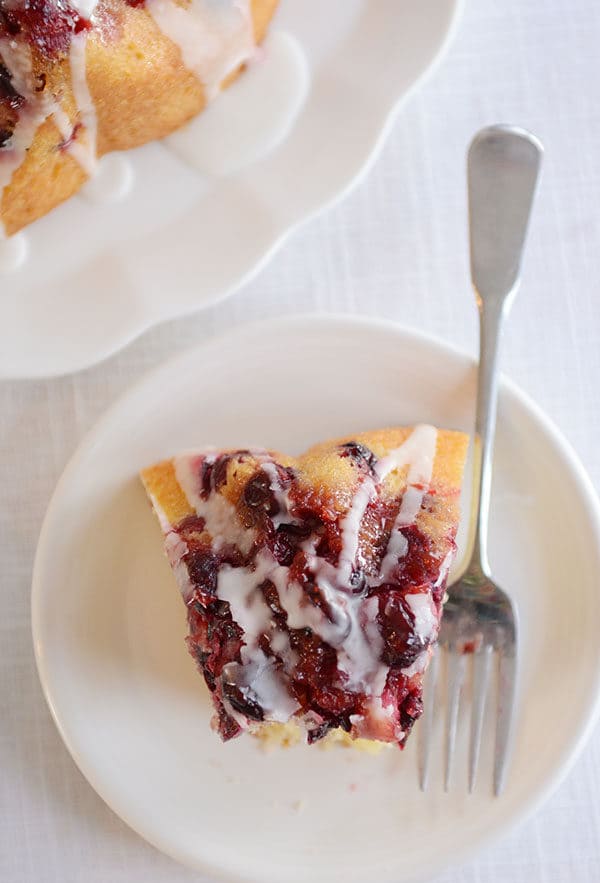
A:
(314, 586)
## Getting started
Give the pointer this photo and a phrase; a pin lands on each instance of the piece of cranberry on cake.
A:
(314, 585)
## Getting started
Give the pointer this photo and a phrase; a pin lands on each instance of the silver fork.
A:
(480, 621)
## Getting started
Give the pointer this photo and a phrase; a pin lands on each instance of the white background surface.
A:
(396, 247)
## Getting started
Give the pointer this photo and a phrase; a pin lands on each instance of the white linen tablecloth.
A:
(395, 248)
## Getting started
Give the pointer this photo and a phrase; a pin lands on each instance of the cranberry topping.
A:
(213, 475)
(228, 728)
(48, 25)
(419, 566)
(397, 626)
(8, 94)
(299, 573)
(202, 659)
(285, 544)
(271, 596)
(329, 545)
(364, 458)
(410, 710)
(215, 640)
(242, 700)
(319, 732)
(10, 104)
(202, 565)
(259, 499)
(315, 677)
(311, 671)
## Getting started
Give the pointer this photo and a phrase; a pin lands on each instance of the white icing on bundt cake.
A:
(79, 78)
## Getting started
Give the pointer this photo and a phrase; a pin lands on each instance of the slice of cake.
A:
(81, 78)
(314, 585)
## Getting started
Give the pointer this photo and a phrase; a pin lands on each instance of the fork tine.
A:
(507, 671)
(481, 674)
(426, 725)
(456, 675)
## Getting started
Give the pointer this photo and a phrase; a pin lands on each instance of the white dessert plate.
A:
(109, 625)
(97, 274)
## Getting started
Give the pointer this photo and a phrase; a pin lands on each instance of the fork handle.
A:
(503, 169)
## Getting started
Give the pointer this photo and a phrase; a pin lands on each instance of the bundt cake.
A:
(80, 78)
(314, 586)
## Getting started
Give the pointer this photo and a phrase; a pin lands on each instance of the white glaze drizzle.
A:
(353, 631)
(248, 607)
(259, 675)
(444, 569)
(112, 181)
(39, 106)
(424, 614)
(352, 628)
(176, 550)
(350, 527)
(419, 665)
(252, 117)
(17, 60)
(280, 494)
(83, 149)
(419, 452)
(213, 38)
(85, 8)
(359, 656)
(220, 517)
